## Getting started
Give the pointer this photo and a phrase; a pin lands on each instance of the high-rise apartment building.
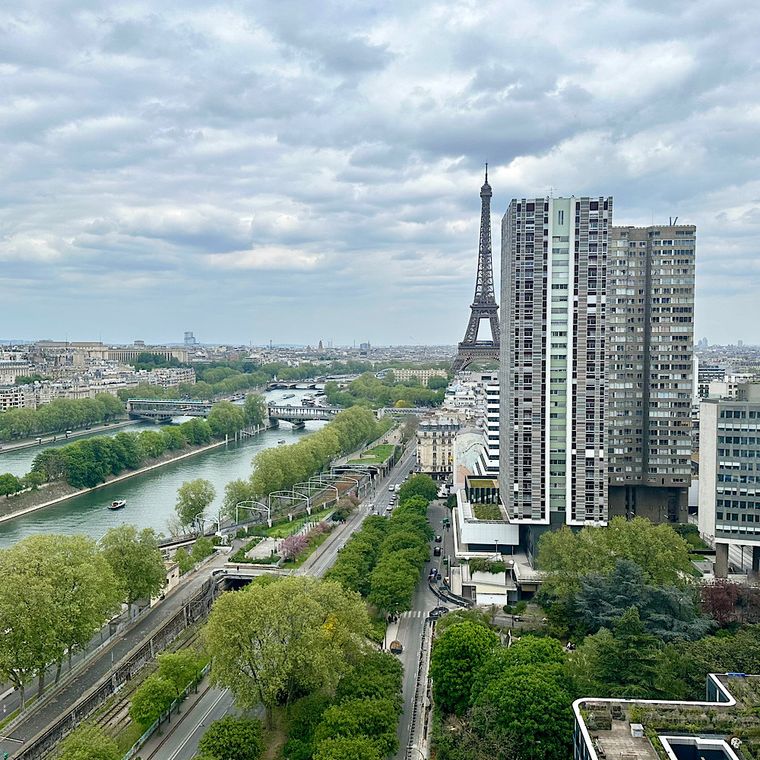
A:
(553, 467)
(650, 365)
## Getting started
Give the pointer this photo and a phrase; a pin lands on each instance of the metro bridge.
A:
(298, 415)
(163, 410)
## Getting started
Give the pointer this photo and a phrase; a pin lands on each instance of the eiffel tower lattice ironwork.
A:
(484, 304)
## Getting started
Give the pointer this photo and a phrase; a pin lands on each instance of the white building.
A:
(435, 447)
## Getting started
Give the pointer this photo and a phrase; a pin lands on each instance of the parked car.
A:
(396, 647)
(438, 539)
(437, 551)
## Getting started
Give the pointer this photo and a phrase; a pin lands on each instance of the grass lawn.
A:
(487, 511)
(286, 528)
(376, 455)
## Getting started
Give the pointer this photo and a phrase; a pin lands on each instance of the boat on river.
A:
(118, 504)
(281, 442)
(289, 395)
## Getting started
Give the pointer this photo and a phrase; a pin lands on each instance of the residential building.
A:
(171, 377)
(435, 447)
(729, 475)
(553, 468)
(10, 370)
(423, 375)
(17, 397)
(488, 463)
(650, 355)
(632, 729)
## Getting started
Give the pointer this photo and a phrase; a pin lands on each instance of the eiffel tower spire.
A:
(484, 303)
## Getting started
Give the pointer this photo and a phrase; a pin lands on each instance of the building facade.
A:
(423, 375)
(650, 318)
(17, 397)
(553, 466)
(435, 447)
(729, 475)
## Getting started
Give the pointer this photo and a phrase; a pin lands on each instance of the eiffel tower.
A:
(484, 304)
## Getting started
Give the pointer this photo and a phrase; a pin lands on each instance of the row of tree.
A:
(59, 415)
(367, 390)
(86, 463)
(280, 468)
(384, 560)
(57, 592)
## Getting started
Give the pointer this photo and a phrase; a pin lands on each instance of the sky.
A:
(298, 170)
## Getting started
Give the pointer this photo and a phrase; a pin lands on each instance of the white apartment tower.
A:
(553, 467)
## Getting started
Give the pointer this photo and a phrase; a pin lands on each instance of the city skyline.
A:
(237, 173)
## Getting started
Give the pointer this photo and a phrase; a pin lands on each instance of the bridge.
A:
(162, 410)
(298, 415)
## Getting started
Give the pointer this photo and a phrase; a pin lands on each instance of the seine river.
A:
(150, 497)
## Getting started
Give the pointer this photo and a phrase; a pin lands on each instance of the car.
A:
(438, 539)
(391, 489)
(437, 551)
(396, 647)
(437, 612)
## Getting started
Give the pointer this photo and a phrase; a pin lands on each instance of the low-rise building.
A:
(171, 377)
(725, 726)
(423, 375)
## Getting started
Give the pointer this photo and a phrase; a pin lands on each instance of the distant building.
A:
(171, 377)
(17, 397)
(190, 339)
(729, 474)
(423, 375)
(650, 357)
(435, 447)
(10, 370)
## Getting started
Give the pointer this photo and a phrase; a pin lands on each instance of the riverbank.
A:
(63, 491)
(50, 438)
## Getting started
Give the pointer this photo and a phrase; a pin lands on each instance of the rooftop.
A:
(670, 730)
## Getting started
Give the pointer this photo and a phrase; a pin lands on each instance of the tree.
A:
(374, 718)
(9, 484)
(392, 585)
(658, 550)
(436, 383)
(282, 637)
(180, 668)
(225, 419)
(235, 492)
(409, 427)
(342, 747)
(233, 738)
(193, 497)
(136, 561)
(88, 742)
(375, 675)
(457, 653)
(151, 699)
(531, 707)
(418, 485)
(668, 612)
(255, 409)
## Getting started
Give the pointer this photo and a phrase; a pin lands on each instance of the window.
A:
(560, 217)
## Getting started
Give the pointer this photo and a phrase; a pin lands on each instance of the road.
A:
(411, 624)
(180, 740)
(62, 437)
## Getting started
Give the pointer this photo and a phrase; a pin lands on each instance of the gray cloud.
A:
(292, 170)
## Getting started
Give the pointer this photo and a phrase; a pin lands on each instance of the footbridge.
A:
(162, 410)
(298, 415)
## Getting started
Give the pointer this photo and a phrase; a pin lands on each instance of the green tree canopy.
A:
(531, 708)
(152, 698)
(343, 747)
(136, 561)
(226, 418)
(233, 738)
(284, 637)
(193, 498)
(566, 556)
(457, 654)
(418, 485)
(180, 668)
(88, 742)
(372, 718)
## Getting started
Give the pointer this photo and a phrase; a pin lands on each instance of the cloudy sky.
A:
(303, 170)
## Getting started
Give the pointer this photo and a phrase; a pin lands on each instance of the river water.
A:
(150, 497)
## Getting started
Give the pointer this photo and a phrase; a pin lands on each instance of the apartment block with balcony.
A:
(553, 468)
(650, 357)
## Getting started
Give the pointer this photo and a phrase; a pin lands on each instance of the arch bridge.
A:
(297, 416)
